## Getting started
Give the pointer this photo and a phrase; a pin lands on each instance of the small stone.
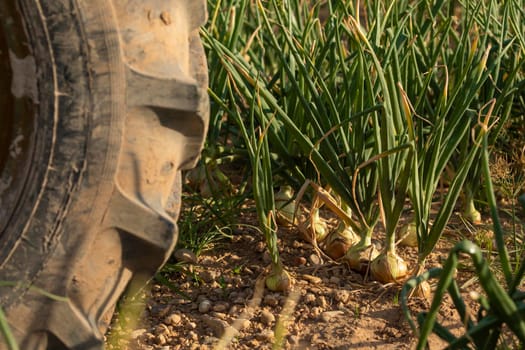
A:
(220, 315)
(220, 307)
(312, 279)
(267, 317)
(159, 311)
(160, 339)
(239, 300)
(185, 255)
(173, 319)
(165, 347)
(315, 312)
(271, 300)
(309, 298)
(327, 316)
(193, 336)
(234, 309)
(204, 306)
(294, 339)
(219, 327)
(321, 301)
(161, 329)
(192, 325)
(265, 336)
(342, 296)
(260, 247)
(297, 244)
(314, 259)
(300, 261)
(245, 324)
(208, 276)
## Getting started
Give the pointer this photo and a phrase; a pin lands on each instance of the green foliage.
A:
(375, 102)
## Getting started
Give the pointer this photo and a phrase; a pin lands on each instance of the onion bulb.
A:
(360, 256)
(423, 290)
(338, 242)
(314, 228)
(388, 267)
(279, 279)
(285, 206)
(471, 213)
(408, 235)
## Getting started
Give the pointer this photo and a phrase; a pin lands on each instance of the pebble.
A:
(315, 312)
(329, 315)
(294, 339)
(300, 261)
(260, 247)
(314, 259)
(159, 311)
(271, 300)
(193, 336)
(219, 327)
(309, 298)
(208, 276)
(185, 255)
(160, 339)
(245, 324)
(219, 315)
(321, 301)
(312, 279)
(239, 300)
(265, 336)
(204, 306)
(173, 319)
(342, 296)
(220, 307)
(267, 317)
(234, 309)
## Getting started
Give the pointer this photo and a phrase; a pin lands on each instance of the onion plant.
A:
(305, 73)
(498, 305)
(374, 106)
(469, 97)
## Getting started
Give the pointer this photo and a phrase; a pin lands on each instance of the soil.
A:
(219, 301)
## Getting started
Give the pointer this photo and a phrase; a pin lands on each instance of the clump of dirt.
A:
(221, 302)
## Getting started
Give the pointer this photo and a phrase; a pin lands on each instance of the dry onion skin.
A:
(338, 242)
(408, 235)
(313, 228)
(285, 206)
(388, 268)
(358, 257)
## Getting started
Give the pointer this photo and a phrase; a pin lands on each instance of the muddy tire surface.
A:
(103, 104)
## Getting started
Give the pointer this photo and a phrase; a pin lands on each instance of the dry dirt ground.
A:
(226, 306)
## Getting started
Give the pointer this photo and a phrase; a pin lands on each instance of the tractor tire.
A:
(103, 103)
